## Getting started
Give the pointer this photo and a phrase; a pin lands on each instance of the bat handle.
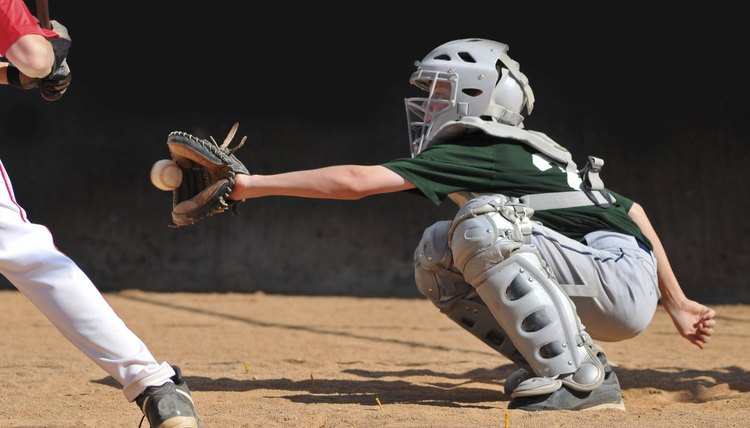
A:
(42, 13)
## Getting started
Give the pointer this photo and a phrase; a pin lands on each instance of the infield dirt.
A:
(260, 360)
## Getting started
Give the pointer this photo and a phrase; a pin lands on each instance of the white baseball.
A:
(166, 175)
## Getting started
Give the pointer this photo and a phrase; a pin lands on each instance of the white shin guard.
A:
(523, 296)
(542, 319)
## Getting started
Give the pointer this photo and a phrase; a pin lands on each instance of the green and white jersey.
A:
(486, 164)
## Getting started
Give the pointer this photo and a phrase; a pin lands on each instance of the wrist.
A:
(13, 76)
(240, 183)
(671, 301)
(19, 80)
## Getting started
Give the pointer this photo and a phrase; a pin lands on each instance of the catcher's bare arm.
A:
(214, 180)
(333, 182)
(694, 321)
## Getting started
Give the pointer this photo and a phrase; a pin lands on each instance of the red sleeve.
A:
(15, 21)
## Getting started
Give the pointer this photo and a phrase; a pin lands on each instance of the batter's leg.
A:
(68, 298)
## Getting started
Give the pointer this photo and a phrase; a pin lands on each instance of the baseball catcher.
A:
(541, 259)
(208, 171)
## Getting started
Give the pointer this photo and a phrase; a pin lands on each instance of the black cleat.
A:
(169, 405)
(606, 396)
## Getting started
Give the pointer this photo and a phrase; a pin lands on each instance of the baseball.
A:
(166, 175)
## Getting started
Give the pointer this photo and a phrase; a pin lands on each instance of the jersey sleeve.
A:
(449, 167)
(622, 200)
(418, 172)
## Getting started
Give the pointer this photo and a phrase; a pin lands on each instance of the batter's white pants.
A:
(68, 298)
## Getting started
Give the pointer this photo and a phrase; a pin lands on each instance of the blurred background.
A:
(661, 95)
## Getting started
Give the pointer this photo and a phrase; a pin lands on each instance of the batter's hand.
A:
(694, 321)
(61, 44)
(54, 86)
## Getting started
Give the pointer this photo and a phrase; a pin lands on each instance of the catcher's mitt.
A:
(208, 171)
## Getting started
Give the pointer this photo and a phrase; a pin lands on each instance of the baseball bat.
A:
(42, 13)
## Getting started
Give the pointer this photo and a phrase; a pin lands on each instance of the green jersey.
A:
(486, 164)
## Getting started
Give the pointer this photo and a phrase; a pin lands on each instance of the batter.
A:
(35, 58)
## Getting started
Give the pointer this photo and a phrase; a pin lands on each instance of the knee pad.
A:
(432, 267)
(480, 243)
(541, 321)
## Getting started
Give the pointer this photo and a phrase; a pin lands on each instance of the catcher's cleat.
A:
(607, 396)
(515, 379)
(169, 405)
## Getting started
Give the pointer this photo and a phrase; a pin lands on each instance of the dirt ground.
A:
(258, 360)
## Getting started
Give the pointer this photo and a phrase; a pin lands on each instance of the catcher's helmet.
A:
(466, 77)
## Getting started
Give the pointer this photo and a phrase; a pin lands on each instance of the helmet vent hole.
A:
(443, 57)
(472, 92)
(466, 57)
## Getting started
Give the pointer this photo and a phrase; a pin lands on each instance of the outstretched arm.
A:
(694, 321)
(333, 182)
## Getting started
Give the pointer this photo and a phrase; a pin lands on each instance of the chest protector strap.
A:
(592, 190)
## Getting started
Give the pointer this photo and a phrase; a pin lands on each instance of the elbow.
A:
(35, 60)
(355, 185)
(353, 190)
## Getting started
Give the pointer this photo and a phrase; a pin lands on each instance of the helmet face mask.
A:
(421, 112)
(482, 80)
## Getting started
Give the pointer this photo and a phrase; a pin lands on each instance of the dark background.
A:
(661, 95)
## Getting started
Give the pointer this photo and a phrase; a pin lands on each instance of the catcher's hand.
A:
(208, 171)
